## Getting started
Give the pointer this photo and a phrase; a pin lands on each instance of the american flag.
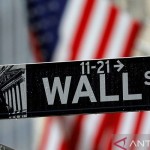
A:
(79, 29)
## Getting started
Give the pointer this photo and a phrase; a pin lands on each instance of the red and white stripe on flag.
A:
(93, 29)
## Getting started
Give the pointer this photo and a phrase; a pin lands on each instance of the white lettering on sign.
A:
(126, 95)
(147, 76)
(88, 92)
(50, 94)
(103, 96)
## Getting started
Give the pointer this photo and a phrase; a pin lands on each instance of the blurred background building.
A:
(58, 30)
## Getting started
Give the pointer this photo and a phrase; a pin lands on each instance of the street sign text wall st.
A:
(92, 86)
